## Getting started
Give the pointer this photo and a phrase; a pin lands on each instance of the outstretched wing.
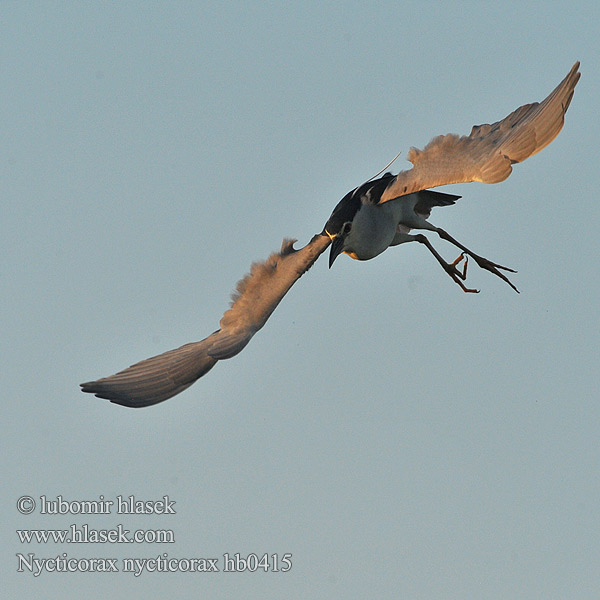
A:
(256, 297)
(488, 153)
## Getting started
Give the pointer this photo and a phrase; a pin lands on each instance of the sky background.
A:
(401, 439)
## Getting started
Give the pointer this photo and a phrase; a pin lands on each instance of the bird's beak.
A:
(337, 244)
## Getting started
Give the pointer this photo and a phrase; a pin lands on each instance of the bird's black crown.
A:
(345, 210)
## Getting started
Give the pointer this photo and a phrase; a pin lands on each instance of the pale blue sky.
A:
(399, 438)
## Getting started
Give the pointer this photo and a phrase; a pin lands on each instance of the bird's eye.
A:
(347, 228)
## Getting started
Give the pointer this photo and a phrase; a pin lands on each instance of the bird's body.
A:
(373, 225)
(373, 230)
(376, 226)
(368, 220)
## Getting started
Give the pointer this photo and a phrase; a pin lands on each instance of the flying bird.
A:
(374, 216)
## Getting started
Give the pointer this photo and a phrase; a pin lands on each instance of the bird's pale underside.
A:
(486, 155)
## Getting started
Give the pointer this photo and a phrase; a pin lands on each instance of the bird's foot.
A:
(493, 267)
(484, 263)
(457, 262)
(457, 275)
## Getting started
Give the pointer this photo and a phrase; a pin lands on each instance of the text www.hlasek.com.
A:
(86, 535)
(161, 564)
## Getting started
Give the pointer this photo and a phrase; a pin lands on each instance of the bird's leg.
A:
(457, 262)
(484, 263)
(450, 268)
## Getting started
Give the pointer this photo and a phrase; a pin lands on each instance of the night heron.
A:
(376, 215)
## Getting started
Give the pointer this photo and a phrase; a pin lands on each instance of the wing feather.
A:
(489, 151)
(256, 297)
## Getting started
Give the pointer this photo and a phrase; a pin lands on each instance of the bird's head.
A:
(339, 226)
(342, 224)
